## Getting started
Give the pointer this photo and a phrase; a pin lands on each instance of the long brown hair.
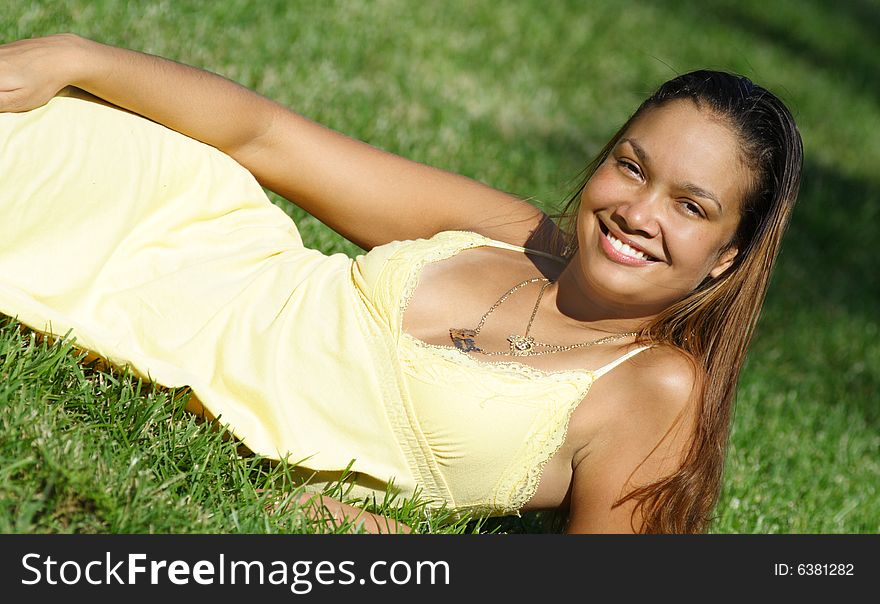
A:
(714, 324)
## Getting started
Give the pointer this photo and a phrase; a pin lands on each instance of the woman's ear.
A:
(725, 259)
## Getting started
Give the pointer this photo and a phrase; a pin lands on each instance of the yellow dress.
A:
(163, 254)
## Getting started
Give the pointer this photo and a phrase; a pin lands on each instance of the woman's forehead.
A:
(683, 143)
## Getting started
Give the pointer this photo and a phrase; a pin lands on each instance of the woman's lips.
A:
(621, 252)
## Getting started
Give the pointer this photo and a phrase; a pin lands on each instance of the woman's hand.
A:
(334, 513)
(33, 71)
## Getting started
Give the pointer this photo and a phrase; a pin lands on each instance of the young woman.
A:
(468, 355)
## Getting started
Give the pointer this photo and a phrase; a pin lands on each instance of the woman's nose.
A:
(639, 215)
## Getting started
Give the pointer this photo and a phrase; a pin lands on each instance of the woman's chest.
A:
(483, 304)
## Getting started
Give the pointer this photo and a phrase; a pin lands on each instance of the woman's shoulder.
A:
(650, 389)
(667, 373)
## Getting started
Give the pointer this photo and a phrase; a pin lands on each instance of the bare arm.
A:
(368, 195)
(643, 441)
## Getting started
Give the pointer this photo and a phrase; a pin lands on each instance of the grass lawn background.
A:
(519, 95)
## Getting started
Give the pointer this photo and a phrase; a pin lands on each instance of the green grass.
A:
(518, 95)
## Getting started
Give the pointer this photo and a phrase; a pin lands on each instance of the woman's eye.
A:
(629, 167)
(691, 208)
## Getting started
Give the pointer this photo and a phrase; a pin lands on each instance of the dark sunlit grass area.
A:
(518, 95)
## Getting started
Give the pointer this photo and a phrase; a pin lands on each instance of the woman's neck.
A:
(579, 305)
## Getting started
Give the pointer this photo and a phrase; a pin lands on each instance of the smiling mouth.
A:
(625, 249)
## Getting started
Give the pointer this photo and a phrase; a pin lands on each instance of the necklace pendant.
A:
(464, 339)
(521, 345)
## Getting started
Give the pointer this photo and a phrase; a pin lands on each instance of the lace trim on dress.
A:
(516, 488)
(436, 492)
(510, 368)
(436, 254)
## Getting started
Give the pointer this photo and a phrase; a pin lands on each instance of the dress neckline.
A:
(512, 367)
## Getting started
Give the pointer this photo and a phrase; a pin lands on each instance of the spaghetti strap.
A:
(606, 368)
(517, 248)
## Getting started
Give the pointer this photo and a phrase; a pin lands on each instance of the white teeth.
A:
(623, 248)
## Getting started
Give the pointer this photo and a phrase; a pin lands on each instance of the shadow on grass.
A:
(821, 310)
(829, 256)
(848, 63)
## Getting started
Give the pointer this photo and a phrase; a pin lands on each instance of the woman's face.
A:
(656, 218)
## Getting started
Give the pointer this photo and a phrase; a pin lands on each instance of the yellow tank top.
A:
(162, 254)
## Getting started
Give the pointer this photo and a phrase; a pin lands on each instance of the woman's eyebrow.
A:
(638, 150)
(687, 186)
(701, 192)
